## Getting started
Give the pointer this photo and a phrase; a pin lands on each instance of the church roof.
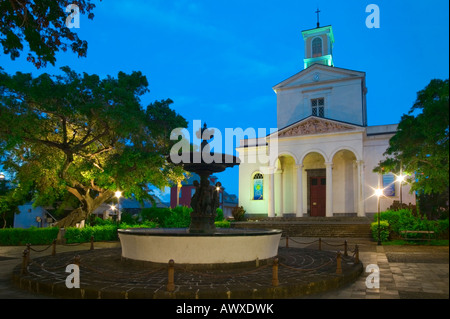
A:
(317, 67)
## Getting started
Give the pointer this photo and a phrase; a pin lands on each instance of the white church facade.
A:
(326, 152)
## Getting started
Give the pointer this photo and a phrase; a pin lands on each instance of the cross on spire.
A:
(318, 11)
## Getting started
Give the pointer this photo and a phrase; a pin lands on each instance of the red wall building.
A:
(188, 189)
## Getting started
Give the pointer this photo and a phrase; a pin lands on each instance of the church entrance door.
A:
(317, 195)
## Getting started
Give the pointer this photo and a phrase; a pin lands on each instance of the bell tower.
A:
(318, 45)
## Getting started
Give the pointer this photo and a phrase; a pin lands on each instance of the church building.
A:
(326, 152)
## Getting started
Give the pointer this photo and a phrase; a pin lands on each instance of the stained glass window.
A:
(258, 187)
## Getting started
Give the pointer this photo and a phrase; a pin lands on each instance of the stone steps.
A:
(313, 228)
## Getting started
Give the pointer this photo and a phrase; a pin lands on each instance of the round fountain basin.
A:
(159, 245)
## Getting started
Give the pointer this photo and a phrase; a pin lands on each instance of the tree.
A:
(421, 143)
(86, 136)
(42, 26)
(8, 206)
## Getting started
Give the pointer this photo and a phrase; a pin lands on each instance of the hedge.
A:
(33, 235)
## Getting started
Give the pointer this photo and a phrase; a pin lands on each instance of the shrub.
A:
(384, 230)
(33, 235)
(238, 213)
(393, 218)
(219, 216)
(222, 224)
(128, 218)
(97, 221)
(155, 214)
(404, 219)
(146, 224)
(442, 228)
(177, 217)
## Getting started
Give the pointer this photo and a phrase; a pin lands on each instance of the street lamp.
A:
(118, 194)
(378, 194)
(2, 176)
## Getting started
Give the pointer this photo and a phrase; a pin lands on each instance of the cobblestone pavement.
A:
(418, 272)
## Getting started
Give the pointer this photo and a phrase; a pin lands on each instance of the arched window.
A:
(316, 47)
(258, 186)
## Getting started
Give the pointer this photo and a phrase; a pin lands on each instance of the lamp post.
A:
(379, 193)
(118, 194)
(2, 176)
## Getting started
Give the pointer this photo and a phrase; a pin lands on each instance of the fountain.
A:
(201, 243)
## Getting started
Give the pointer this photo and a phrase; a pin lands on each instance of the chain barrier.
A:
(224, 275)
(26, 262)
(125, 276)
(306, 269)
(301, 243)
(38, 251)
(332, 245)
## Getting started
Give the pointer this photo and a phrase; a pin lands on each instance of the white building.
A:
(325, 152)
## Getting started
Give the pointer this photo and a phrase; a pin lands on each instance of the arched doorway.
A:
(315, 182)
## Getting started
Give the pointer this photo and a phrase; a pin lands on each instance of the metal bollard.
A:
(92, 243)
(171, 280)
(338, 263)
(356, 254)
(275, 281)
(345, 248)
(54, 247)
(77, 260)
(287, 241)
(320, 243)
(24, 270)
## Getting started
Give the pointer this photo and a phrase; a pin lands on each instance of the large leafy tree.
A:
(85, 136)
(40, 26)
(421, 143)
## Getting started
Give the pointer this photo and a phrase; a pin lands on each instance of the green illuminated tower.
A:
(318, 46)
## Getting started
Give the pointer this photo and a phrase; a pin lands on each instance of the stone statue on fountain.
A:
(205, 200)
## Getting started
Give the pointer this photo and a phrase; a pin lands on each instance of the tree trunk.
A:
(75, 216)
(89, 205)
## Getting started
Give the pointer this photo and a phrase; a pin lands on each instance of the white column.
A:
(361, 206)
(329, 189)
(299, 196)
(278, 193)
(271, 197)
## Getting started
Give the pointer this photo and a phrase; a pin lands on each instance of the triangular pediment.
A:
(315, 125)
(317, 75)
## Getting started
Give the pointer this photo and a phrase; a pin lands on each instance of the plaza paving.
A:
(406, 272)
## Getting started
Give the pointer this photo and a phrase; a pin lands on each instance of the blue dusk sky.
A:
(218, 60)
